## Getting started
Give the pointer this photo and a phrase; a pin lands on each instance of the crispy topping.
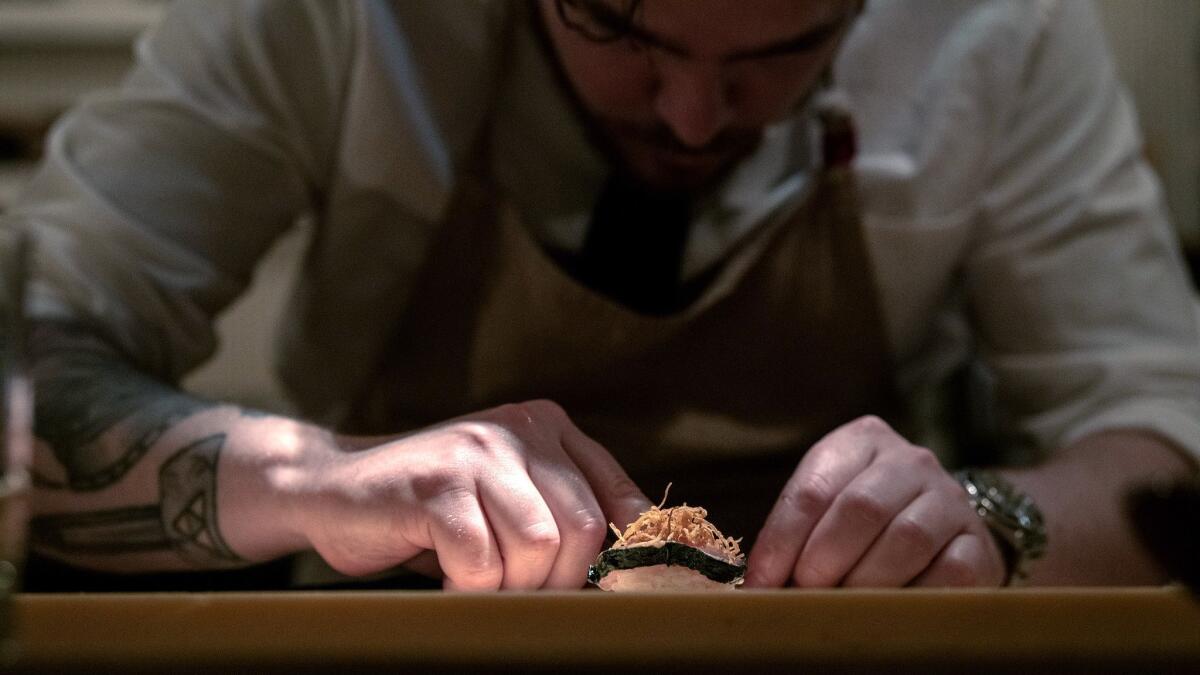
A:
(682, 524)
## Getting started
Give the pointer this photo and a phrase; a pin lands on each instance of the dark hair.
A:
(596, 20)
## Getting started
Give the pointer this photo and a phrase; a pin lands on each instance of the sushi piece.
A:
(672, 549)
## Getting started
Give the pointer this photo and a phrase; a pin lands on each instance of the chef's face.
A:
(680, 90)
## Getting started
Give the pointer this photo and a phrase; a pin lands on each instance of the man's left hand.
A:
(867, 508)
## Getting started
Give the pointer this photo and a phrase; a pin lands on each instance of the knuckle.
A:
(864, 507)
(539, 540)
(546, 407)
(808, 494)
(590, 527)
(527, 414)
(514, 415)
(872, 424)
(479, 440)
(913, 537)
(924, 458)
(475, 437)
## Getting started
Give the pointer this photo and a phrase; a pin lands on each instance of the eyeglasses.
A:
(596, 20)
(605, 22)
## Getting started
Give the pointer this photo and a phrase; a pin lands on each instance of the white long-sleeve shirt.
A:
(1009, 212)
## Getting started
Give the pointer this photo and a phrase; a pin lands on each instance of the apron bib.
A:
(721, 398)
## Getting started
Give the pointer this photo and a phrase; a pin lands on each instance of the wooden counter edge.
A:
(840, 626)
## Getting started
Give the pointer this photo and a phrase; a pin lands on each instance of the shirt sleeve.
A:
(1084, 310)
(154, 202)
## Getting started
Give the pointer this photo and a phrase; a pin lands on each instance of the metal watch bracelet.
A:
(1011, 516)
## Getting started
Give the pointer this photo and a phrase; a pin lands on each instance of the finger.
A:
(524, 527)
(466, 549)
(581, 523)
(858, 516)
(823, 473)
(968, 560)
(621, 500)
(909, 544)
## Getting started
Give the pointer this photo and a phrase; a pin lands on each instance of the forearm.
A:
(1082, 492)
(131, 474)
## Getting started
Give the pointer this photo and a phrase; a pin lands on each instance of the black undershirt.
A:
(633, 250)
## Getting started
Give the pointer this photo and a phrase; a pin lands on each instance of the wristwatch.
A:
(1013, 518)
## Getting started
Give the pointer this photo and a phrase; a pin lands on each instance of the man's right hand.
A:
(515, 497)
(135, 475)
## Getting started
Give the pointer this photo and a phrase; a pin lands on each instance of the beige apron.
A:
(722, 398)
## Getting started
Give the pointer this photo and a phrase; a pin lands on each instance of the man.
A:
(493, 361)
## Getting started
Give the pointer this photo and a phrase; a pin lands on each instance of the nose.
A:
(692, 100)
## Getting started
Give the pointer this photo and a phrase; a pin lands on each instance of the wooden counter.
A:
(983, 631)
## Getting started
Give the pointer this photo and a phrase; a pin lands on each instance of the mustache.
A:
(660, 137)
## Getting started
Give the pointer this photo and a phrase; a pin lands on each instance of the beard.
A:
(653, 156)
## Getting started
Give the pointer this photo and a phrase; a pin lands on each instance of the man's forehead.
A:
(723, 27)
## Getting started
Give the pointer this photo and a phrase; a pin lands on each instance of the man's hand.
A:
(134, 475)
(515, 497)
(867, 508)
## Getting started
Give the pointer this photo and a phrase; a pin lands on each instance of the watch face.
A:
(1010, 513)
(1001, 504)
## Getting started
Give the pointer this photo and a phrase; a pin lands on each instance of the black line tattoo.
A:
(88, 398)
(185, 519)
(115, 531)
(85, 390)
(188, 494)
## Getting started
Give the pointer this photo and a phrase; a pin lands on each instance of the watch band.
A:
(1012, 517)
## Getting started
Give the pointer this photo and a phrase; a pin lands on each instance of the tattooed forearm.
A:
(188, 493)
(84, 391)
(100, 418)
(184, 519)
(115, 531)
